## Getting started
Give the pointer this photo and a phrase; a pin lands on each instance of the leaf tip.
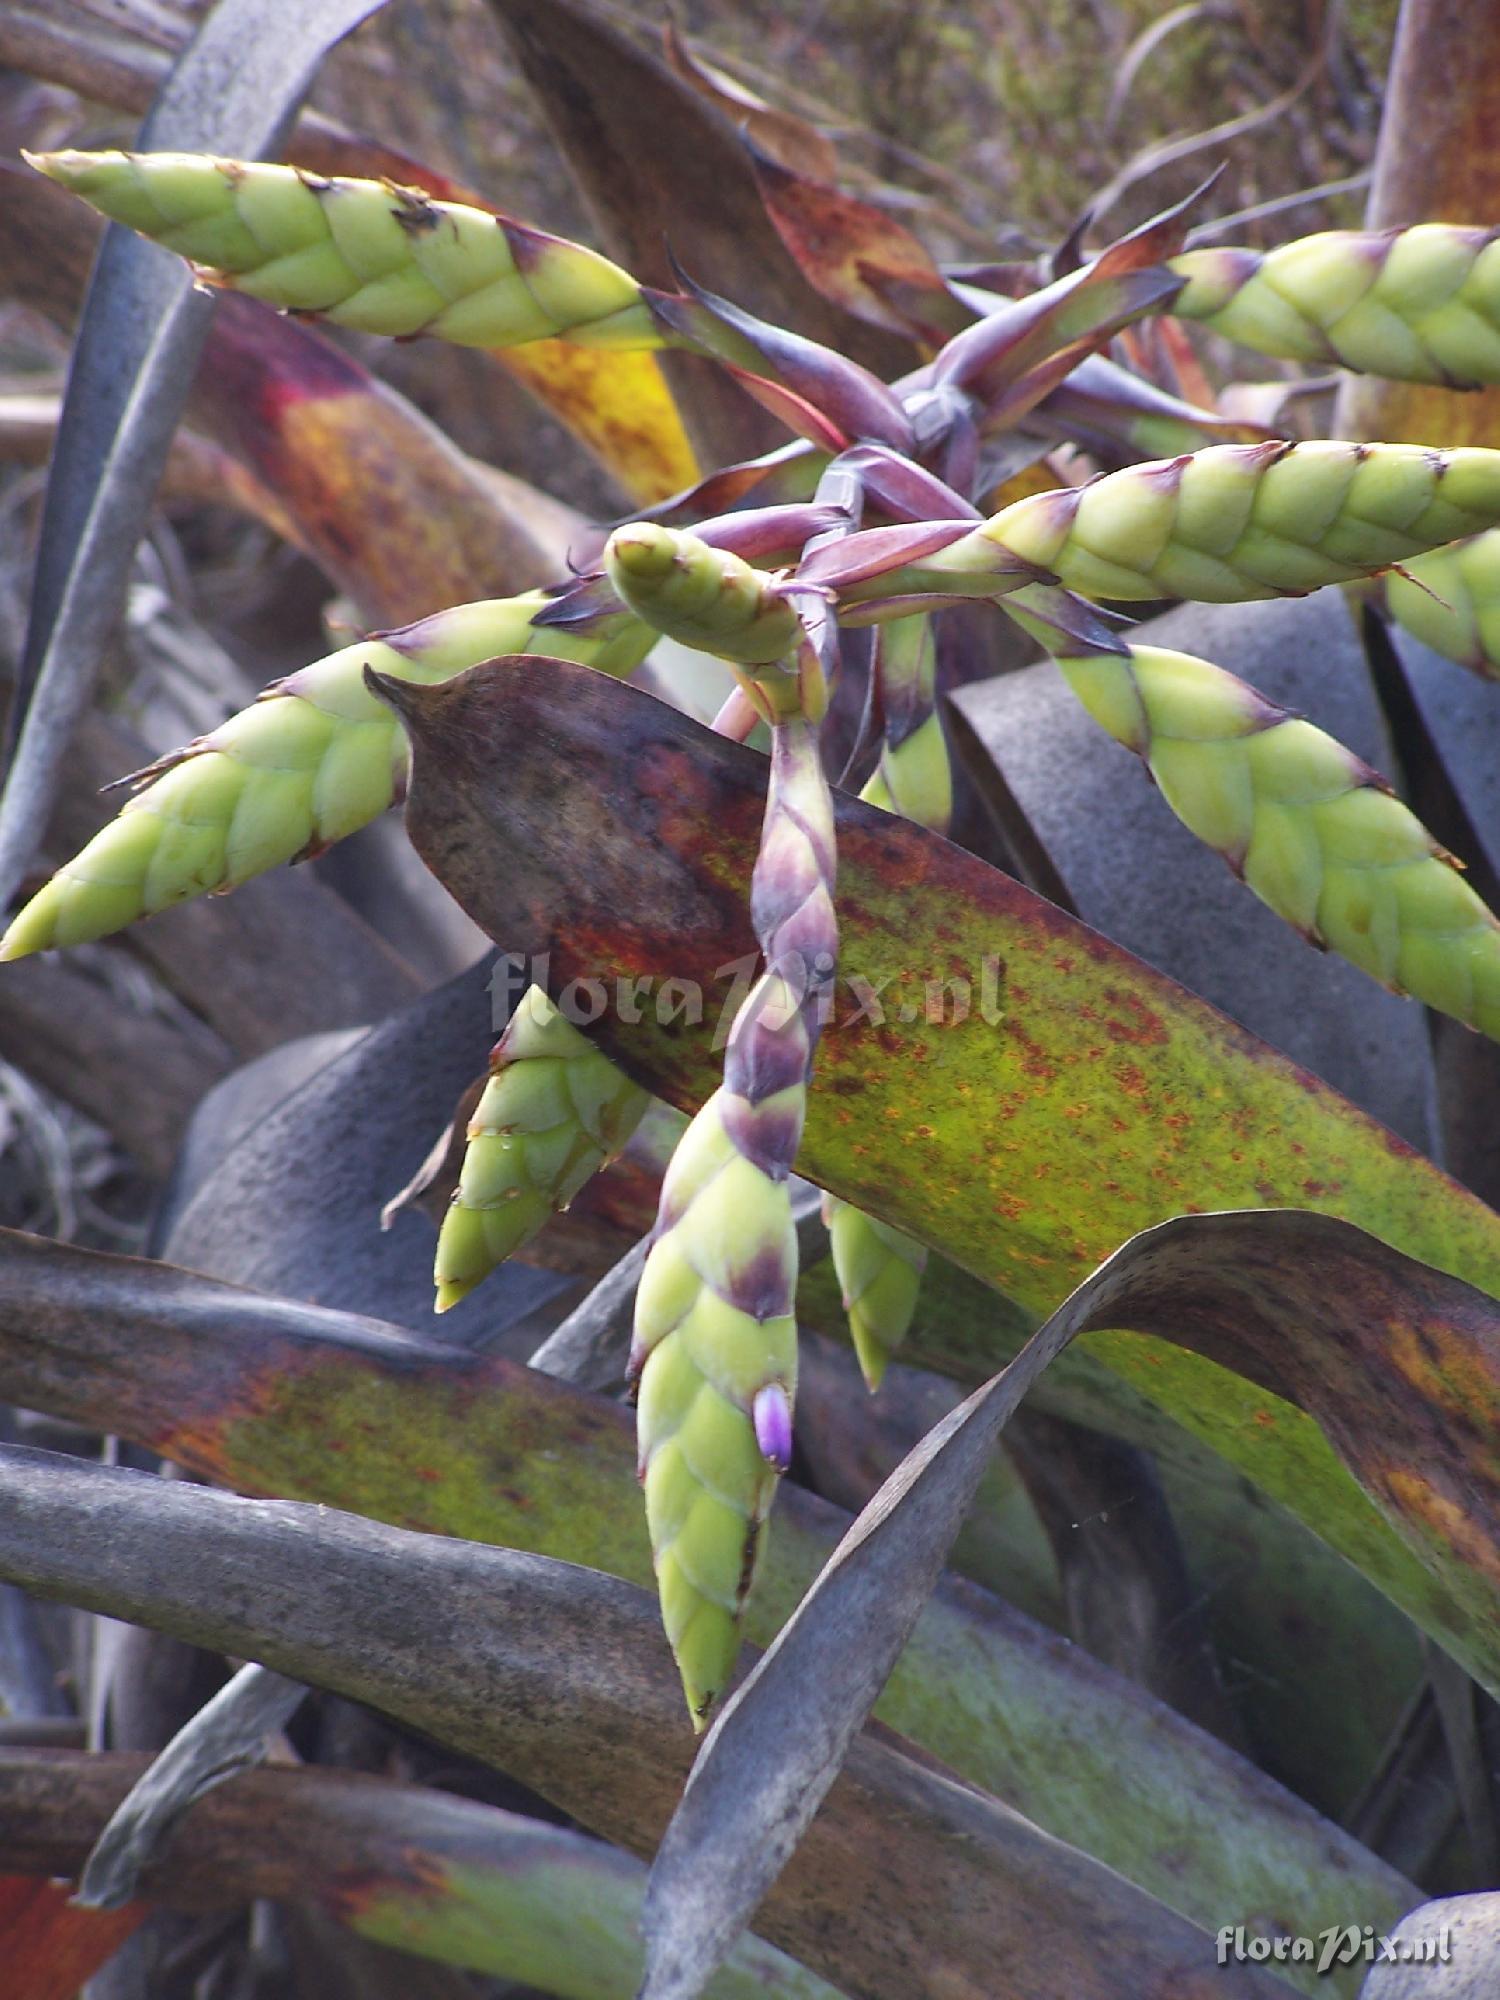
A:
(23, 935)
(873, 1361)
(67, 166)
(395, 692)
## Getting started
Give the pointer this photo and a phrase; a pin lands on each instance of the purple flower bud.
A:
(772, 1412)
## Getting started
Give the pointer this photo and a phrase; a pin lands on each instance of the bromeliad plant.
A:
(895, 503)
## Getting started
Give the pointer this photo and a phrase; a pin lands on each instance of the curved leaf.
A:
(848, 400)
(386, 505)
(277, 1398)
(784, 135)
(619, 404)
(661, 166)
(1080, 1517)
(1265, 1575)
(480, 1648)
(1272, 1293)
(437, 1875)
(228, 1734)
(195, 469)
(266, 1217)
(857, 255)
(1105, 408)
(1097, 1099)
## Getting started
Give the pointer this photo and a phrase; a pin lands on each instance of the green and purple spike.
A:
(912, 777)
(715, 1346)
(1230, 523)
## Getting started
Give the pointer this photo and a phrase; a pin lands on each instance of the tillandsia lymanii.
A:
(715, 1344)
(887, 509)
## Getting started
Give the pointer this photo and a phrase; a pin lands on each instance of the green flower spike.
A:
(701, 596)
(1308, 825)
(1235, 522)
(1416, 305)
(1451, 601)
(314, 759)
(879, 1268)
(364, 254)
(715, 1346)
(554, 1111)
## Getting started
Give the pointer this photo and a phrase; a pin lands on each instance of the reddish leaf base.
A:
(47, 1947)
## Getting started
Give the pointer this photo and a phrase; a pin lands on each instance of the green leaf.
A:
(1265, 1577)
(1254, 1580)
(1099, 1098)
(560, 1676)
(278, 1398)
(440, 1876)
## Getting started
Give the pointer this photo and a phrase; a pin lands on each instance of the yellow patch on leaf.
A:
(619, 405)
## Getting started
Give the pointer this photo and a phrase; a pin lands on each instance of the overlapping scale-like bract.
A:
(1417, 305)
(913, 776)
(553, 1112)
(879, 1269)
(1236, 522)
(716, 1350)
(314, 759)
(369, 255)
(715, 1347)
(1451, 601)
(1309, 826)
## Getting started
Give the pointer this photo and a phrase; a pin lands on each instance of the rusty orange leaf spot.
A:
(48, 1948)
